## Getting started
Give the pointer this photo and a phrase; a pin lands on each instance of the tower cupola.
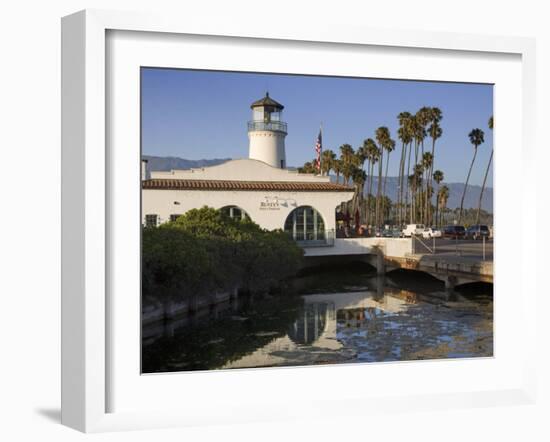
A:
(267, 132)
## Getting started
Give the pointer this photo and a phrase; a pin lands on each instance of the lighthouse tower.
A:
(267, 132)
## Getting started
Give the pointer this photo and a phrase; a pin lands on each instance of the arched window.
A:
(305, 224)
(235, 212)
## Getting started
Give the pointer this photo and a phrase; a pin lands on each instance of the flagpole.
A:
(321, 148)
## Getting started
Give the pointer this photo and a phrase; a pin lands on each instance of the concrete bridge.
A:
(386, 254)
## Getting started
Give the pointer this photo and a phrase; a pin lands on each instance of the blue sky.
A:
(203, 114)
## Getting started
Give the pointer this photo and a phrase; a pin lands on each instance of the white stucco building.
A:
(259, 187)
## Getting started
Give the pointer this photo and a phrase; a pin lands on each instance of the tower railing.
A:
(263, 125)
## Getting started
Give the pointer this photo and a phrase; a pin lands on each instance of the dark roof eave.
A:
(244, 186)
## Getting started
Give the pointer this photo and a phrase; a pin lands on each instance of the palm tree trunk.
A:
(371, 168)
(407, 182)
(384, 187)
(437, 206)
(431, 179)
(428, 200)
(399, 185)
(379, 188)
(413, 203)
(466, 186)
(415, 193)
(422, 195)
(427, 207)
(355, 197)
(483, 187)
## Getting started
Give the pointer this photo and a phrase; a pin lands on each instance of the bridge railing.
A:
(327, 241)
(422, 245)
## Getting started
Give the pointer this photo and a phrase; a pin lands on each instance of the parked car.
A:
(392, 233)
(413, 229)
(478, 231)
(454, 232)
(431, 232)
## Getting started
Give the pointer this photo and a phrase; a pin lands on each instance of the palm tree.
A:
(410, 128)
(434, 132)
(418, 173)
(347, 156)
(346, 152)
(362, 154)
(437, 177)
(389, 147)
(418, 133)
(420, 122)
(476, 138)
(423, 118)
(412, 183)
(308, 167)
(372, 157)
(337, 167)
(404, 135)
(387, 207)
(490, 124)
(384, 142)
(427, 162)
(358, 176)
(327, 159)
(443, 197)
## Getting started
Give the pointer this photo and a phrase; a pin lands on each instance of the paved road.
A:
(468, 249)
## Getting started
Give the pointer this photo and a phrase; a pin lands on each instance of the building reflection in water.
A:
(370, 324)
(315, 331)
(312, 323)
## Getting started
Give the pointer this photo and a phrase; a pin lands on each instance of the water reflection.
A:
(307, 328)
(378, 323)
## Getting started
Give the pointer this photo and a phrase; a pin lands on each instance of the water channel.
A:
(328, 318)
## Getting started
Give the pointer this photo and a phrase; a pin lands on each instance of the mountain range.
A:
(173, 163)
(455, 189)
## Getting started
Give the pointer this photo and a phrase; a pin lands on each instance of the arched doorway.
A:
(235, 212)
(305, 224)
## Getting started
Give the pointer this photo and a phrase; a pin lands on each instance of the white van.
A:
(413, 229)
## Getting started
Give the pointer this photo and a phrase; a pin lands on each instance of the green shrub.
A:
(205, 251)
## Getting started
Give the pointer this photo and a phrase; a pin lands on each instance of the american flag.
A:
(318, 149)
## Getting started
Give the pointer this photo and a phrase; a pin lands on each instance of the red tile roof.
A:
(285, 186)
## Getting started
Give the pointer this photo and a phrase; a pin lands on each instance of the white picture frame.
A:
(86, 316)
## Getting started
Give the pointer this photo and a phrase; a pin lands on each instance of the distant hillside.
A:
(455, 189)
(169, 163)
(455, 194)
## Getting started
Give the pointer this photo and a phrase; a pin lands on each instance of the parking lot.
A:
(465, 248)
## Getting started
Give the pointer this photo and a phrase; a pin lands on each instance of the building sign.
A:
(275, 203)
(270, 205)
